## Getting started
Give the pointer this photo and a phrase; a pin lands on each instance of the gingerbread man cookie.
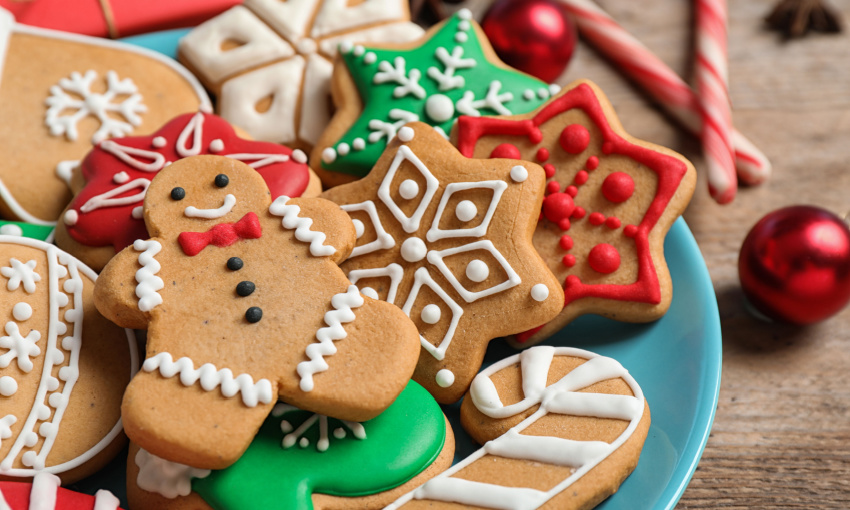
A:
(451, 71)
(561, 428)
(610, 201)
(106, 213)
(270, 62)
(448, 239)
(244, 303)
(62, 92)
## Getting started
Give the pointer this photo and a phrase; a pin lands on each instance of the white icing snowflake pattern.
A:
(6, 423)
(75, 94)
(19, 273)
(19, 347)
(294, 436)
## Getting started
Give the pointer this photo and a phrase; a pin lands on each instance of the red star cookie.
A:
(448, 239)
(610, 201)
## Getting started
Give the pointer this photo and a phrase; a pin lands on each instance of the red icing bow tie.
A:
(223, 234)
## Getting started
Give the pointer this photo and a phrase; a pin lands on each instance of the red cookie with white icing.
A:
(61, 92)
(63, 366)
(610, 201)
(105, 215)
(448, 239)
(44, 493)
(244, 304)
(561, 428)
(270, 62)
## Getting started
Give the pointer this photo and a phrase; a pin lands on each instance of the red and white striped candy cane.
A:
(658, 80)
(712, 75)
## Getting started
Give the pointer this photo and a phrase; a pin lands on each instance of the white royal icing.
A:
(168, 479)
(562, 397)
(291, 220)
(211, 214)
(211, 378)
(148, 282)
(342, 313)
(19, 347)
(19, 273)
(294, 436)
(8, 387)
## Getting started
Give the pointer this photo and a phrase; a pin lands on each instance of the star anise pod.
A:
(795, 18)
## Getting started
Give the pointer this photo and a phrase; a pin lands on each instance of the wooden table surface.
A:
(781, 436)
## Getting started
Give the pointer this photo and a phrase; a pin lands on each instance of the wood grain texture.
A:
(781, 438)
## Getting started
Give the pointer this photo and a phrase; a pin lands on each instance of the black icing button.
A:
(221, 180)
(245, 288)
(254, 314)
(178, 193)
(234, 263)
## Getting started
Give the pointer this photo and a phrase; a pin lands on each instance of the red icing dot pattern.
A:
(568, 260)
(630, 231)
(618, 187)
(579, 213)
(542, 154)
(604, 258)
(581, 177)
(566, 242)
(612, 223)
(558, 206)
(571, 191)
(506, 151)
(553, 187)
(574, 138)
(564, 224)
(596, 218)
(549, 169)
(592, 163)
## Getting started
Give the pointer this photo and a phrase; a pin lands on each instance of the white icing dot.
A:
(120, 178)
(359, 228)
(359, 144)
(304, 443)
(370, 58)
(306, 46)
(30, 439)
(55, 399)
(339, 432)
(158, 142)
(464, 14)
(477, 271)
(342, 149)
(329, 155)
(466, 210)
(43, 412)
(22, 311)
(70, 218)
(369, 291)
(345, 46)
(461, 37)
(359, 50)
(138, 212)
(52, 383)
(11, 230)
(431, 314)
(28, 459)
(554, 88)
(408, 189)
(543, 92)
(413, 249)
(217, 145)
(405, 134)
(539, 292)
(439, 108)
(298, 156)
(445, 378)
(519, 173)
(528, 95)
(8, 386)
(286, 427)
(463, 25)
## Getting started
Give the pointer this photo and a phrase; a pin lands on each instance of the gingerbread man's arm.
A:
(127, 289)
(326, 218)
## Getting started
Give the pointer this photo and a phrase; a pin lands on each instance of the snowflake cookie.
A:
(561, 429)
(448, 239)
(270, 62)
(106, 213)
(62, 92)
(63, 366)
(451, 71)
(244, 303)
(610, 201)
(303, 460)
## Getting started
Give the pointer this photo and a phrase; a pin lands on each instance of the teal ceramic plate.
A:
(676, 360)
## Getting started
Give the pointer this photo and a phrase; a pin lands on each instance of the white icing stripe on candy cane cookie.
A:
(43, 492)
(211, 378)
(291, 220)
(558, 398)
(105, 500)
(342, 313)
(148, 282)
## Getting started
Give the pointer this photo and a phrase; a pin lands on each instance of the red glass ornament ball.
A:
(794, 265)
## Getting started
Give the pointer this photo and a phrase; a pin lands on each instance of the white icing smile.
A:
(211, 214)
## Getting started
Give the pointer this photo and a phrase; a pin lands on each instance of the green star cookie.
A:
(451, 71)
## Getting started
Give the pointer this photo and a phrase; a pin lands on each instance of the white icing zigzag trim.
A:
(342, 312)
(148, 282)
(211, 378)
(291, 220)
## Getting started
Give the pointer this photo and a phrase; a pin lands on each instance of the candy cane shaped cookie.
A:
(575, 422)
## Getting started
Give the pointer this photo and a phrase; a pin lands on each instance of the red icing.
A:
(564, 224)
(618, 187)
(669, 172)
(604, 258)
(592, 163)
(596, 218)
(571, 191)
(558, 206)
(579, 213)
(553, 187)
(17, 496)
(566, 242)
(223, 234)
(549, 169)
(115, 226)
(568, 260)
(542, 154)
(612, 223)
(506, 151)
(580, 178)
(574, 138)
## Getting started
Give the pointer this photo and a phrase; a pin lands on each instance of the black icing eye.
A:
(234, 263)
(221, 180)
(178, 193)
